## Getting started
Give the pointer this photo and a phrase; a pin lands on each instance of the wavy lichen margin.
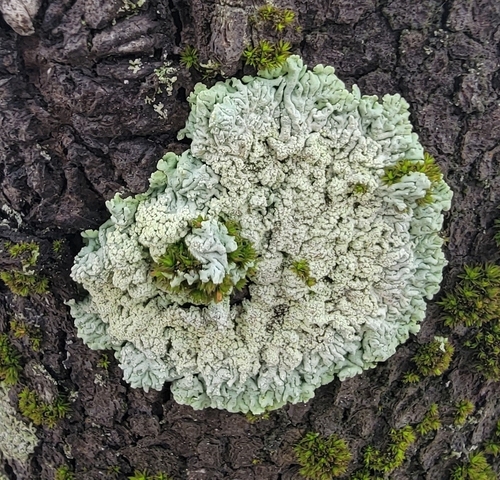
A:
(298, 161)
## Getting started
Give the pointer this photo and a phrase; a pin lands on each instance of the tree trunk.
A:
(84, 115)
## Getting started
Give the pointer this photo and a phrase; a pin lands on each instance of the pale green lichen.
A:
(17, 438)
(283, 155)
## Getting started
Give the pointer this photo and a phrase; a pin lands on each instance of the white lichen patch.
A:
(297, 160)
(17, 438)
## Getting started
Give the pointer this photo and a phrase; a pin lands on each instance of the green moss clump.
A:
(267, 55)
(322, 458)
(178, 259)
(475, 302)
(27, 252)
(475, 468)
(251, 418)
(427, 166)
(360, 188)
(302, 270)
(486, 345)
(64, 473)
(476, 298)
(24, 282)
(40, 412)
(492, 446)
(393, 456)
(21, 329)
(10, 366)
(432, 359)
(104, 362)
(58, 246)
(278, 18)
(189, 57)
(464, 408)
(430, 422)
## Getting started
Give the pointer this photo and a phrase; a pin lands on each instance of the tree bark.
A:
(83, 116)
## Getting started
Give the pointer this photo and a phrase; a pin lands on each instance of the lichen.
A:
(283, 154)
(17, 439)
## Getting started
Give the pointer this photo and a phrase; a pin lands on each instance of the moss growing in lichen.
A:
(427, 166)
(179, 263)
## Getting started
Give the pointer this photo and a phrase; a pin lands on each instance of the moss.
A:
(144, 475)
(302, 270)
(251, 418)
(21, 329)
(57, 246)
(360, 188)
(411, 377)
(464, 408)
(189, 57)
(277, 18)
(430, 422)
(24, 284)
(486, 345)
(26, 252)
(40, 412)
(113, 471)
(267, 55)
(427, 166)
(322, 458)
(103, 361)
(10, 366)
(476, 298)
(476, 467)
(380, 463)
(492, 446)
(64, 473)
(475, 302)
(178, 259)
(432, 359)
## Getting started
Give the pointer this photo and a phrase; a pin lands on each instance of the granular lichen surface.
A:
(285, 154)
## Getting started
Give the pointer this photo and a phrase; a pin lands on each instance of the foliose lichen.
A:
(282, 156)
(17, 439)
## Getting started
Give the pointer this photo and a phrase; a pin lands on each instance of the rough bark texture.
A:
(75, 129)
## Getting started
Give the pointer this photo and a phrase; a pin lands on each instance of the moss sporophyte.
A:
(269, 240)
